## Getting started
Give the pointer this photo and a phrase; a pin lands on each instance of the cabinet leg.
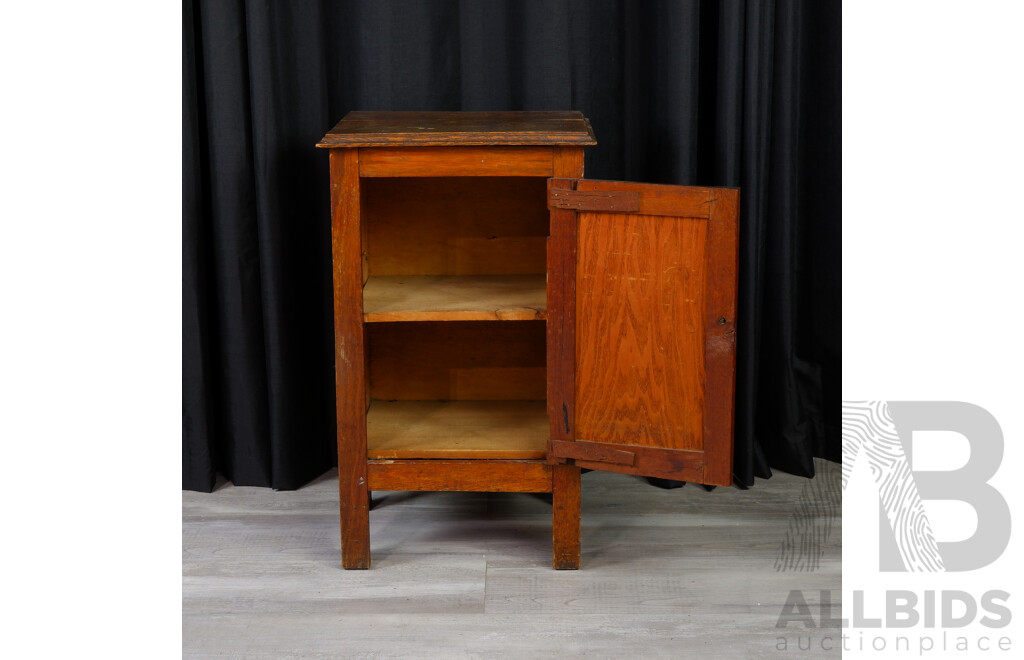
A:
(565, 498)
(355, 523)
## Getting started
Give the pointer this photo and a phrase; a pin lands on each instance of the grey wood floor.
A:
(665, 573)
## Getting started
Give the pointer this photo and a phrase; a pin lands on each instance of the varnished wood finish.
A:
(456, 429)
(454, 298)
(376, 129)
(660, 199)
(455, 226)
(475, 476)
(350, 380)
(636, 359)
(640, 285)
(594, 200)
(565, 517)
(455, 360)
(566, 509)
(560, 450)
(455, 161)
(680, 464)
(655, 325)
(720, 336)
(465, 227)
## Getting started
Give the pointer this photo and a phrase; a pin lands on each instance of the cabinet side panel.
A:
(640, 283)
(349, 358)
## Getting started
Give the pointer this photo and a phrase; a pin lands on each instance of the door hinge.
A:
(594, 200)
(589, 451)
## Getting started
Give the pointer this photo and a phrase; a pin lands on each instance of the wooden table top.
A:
(380, 129)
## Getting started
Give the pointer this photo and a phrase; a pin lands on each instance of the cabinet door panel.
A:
(639, 338)
(655, 300)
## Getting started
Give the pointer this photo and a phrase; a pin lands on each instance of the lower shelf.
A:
(457, 429)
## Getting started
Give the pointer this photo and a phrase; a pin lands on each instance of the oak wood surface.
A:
(561, 450)
(661, 199)
(679, 464)
(454, 298)
(455, 226)
(657, 291)
(457, 360)
(455, 161)
(456, 429)
(640, 284)
(349, 359)
(566, 501)
(482, 476)
(720, 336)
(365, 128)
(566, 519)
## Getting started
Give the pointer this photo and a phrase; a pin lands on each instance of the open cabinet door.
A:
(642, 328)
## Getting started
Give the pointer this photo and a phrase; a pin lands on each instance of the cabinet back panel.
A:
(457, 360)
(639, 336)
(455, 225)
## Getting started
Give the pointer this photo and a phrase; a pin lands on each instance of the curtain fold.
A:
(699, 93)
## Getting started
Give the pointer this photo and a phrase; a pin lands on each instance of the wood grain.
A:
(720, 336)
(454, 298)
(456, 429)
(679, 464)
(456, 226)
(566, 493)
(455, 161)
(566, 499)
(362, 129)
(456, 360)
(640, 284)
(450, 475)
(660, 199)
(349, 359)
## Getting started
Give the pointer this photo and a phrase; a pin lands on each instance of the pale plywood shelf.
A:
(457, 429)
(455, 298)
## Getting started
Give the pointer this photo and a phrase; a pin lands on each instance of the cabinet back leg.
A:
(565, 498)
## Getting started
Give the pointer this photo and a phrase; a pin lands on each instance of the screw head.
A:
(721, 321)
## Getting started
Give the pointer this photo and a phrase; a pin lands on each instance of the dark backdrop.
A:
(690, 92)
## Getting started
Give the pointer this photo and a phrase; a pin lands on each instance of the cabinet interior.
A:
(454, 302)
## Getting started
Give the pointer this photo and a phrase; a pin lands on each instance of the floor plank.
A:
(665, 573)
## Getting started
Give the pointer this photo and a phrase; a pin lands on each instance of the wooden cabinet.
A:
(502, 322)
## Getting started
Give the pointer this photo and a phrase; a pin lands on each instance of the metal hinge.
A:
(594, 200)
(590, 451)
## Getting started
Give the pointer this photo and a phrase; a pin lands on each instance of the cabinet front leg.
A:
(355, 520)
(565, 497)
(350, 358)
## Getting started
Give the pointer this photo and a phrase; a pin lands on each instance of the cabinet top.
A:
(426, 129)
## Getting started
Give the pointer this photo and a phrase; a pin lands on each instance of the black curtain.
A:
(739, 93)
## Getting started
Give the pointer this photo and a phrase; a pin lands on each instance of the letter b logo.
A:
(883, 430)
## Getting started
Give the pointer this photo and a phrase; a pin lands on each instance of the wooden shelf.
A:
(455, 298)
(457, 429)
